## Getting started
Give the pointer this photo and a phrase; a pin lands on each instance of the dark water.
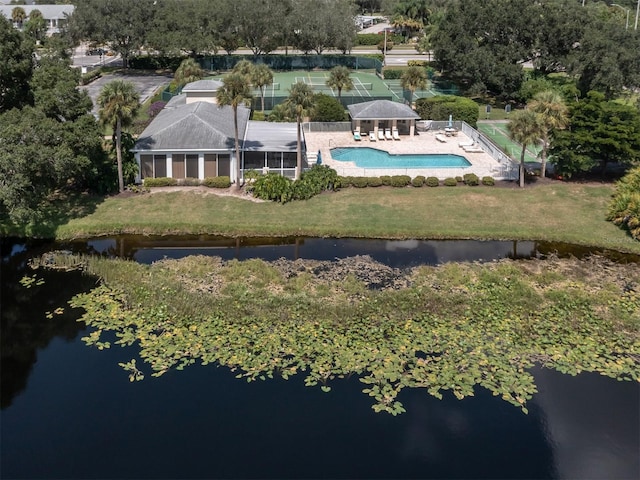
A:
(69, 411)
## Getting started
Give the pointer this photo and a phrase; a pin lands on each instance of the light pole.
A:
(637, 13)
(624, 8)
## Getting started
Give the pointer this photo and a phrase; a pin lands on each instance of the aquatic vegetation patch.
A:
(449, 328)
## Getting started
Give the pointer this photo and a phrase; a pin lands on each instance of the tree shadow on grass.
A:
(57, 210)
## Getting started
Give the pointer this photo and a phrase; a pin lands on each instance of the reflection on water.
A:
(73, 409)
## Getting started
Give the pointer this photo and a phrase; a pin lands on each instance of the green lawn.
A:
(572, 213)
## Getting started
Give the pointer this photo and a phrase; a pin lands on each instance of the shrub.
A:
(314, 181)
(345, 182)
(624, 209)
(433, 182)
(273, 187)
(418, 181)
(442, 106)
(155, 108)
(417, 63)
(258, 116)
(374, 182)
(327, 109)
(489, 181)
(369, 39)
(217, 182)
(400, 180)
(386, 180)
(459, 179)
(189, 182)
(90, 76)
(392, 73)
(321, 177)
(450, 182)
(360, 182)
(160, 182)
(471, 179)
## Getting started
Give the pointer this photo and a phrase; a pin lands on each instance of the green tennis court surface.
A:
(499, 133)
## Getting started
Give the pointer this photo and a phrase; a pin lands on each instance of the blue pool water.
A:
(366, 157)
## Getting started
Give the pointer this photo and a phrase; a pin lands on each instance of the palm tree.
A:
(188, 71)
(340, 80)
(554, 115)
(234, 92)
(261, 76)
(119, 103)
(243, 67)
(414, 78)
(525, 128)
(18, 16)
(301, 100)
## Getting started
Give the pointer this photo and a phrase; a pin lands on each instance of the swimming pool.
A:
(367, 157)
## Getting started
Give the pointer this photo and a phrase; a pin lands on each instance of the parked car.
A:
(96, 51)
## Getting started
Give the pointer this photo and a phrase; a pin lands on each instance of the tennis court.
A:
(499, 133)
(365, 85)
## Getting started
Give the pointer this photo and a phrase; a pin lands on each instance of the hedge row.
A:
(211, 182)
(469, 179)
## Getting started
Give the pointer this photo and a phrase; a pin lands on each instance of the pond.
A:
(69, 411)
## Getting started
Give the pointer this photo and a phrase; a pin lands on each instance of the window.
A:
(177, 165)
(160, 166)
(253, 160)
(289, 159)
(210, 165)
(224, 165)
(274, 159)
(192, 166)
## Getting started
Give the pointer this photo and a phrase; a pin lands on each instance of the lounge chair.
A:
(380, 134)
(441, 138)
(372, 136)
(466, 143)
(387, 134)
(473, 149)
(396, 134)
(356, 136)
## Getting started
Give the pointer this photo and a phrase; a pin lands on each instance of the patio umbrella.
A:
(450, 121)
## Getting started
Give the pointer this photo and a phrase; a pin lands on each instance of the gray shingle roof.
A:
(203, 86)
(194, 126)
(381, 110)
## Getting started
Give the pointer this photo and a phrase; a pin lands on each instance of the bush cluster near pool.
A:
(418, 181)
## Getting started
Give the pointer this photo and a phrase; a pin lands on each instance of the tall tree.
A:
(340, 79)
(122, 24)
(412, 79)
(235, 92)
(600, 132)
(526, 129)
(188, 71)
(261, 76)
(119, 103)
(16, 66)
(301, 100)
(55, 90)
(36, 26)
(554, 115)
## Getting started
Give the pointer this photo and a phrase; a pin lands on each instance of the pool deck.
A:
(482, 164)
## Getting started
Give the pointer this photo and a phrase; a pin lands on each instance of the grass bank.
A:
(561, 212)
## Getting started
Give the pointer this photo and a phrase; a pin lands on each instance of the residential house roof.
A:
(209, 86)
(194, 126)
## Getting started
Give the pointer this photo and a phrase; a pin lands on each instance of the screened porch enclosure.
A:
(282, 163)
(185, 165)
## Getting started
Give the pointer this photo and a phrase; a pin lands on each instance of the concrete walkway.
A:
(482, 164)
